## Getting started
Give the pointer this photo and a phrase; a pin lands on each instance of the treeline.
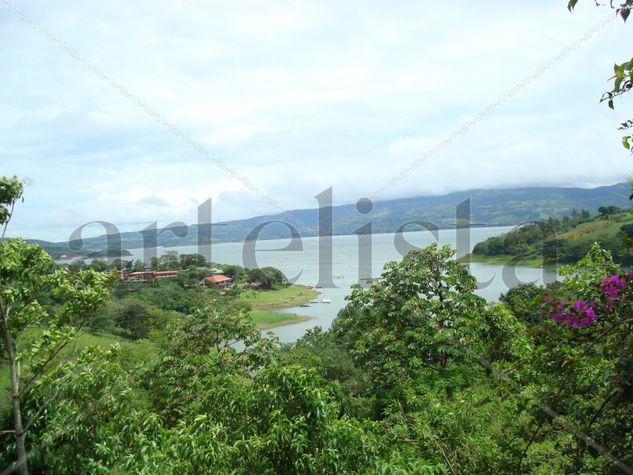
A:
(137, 310)
(194, 266)
(565, 240)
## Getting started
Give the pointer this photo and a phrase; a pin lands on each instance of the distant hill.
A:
(565, 241)
(488, 208)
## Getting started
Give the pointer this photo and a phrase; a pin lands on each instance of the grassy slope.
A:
(132, 353)
(604, 230)
(270, 318)
(278, 297)
(264, 302)
(501, 260)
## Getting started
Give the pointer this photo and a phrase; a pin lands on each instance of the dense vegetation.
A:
(138, 308)
(566, 240)
(417, 375)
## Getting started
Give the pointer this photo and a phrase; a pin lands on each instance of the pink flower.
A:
(612, 286)
(580, 314)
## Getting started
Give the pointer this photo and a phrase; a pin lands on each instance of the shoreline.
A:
(535, 263)
(267, 314)
(451, 227)
(286, 323)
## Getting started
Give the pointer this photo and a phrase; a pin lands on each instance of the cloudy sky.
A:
(294, 97)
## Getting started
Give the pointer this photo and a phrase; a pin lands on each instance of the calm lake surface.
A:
(303, 265)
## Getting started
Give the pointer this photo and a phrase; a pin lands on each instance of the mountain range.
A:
(495, 207)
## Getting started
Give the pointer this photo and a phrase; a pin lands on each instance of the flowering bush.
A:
(592, 290)
(612, 286)
(577, 315)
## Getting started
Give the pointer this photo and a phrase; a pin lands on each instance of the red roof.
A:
(217, 278)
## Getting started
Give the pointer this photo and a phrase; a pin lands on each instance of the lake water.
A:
(305, 267)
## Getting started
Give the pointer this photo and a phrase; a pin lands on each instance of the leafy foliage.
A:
(417, 375)
(11, 190)
(564, 241)
(421, 320)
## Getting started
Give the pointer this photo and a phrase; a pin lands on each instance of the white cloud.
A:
(296, 96)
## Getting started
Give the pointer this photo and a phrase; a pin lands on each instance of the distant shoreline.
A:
(379, 233)
(505, 259)
(265, 305)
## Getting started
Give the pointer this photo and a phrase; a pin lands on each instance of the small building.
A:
(149, 276)
(140, 276)
(218, 281)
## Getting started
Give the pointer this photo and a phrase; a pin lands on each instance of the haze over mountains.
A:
(487, 208)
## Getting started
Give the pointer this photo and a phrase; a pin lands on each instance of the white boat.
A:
(326, 300)
(314, 301)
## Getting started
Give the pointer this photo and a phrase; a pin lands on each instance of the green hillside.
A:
(562, 241)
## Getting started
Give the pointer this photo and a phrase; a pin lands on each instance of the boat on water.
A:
(314, 301)
(305, 305)
(326, 300)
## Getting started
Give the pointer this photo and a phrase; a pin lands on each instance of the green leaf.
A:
(617, 83)
(617, 69)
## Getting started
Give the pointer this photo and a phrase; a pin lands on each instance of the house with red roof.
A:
(218, 281)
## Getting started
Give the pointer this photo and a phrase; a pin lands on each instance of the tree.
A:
(192, 260)
(608, 210)
(136, 317)
(274, 275)
(523, 302)
(581, 366)
(98, 265)
(138, 265)
(26, 271)
(267, 276)
(11, 190)
(169, 261)
(154, 263)
(215, 340)
(233, 271)
(419, 318)
(77, 266)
